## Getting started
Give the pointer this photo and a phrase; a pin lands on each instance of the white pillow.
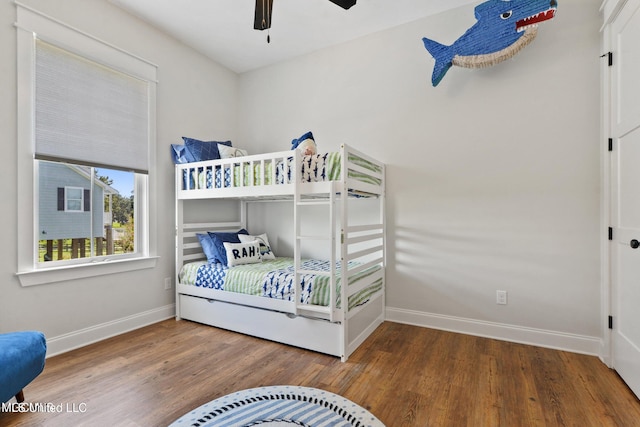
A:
(265, 247)
(242, 253)
(227, 152)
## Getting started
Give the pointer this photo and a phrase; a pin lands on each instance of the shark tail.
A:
(444, 59)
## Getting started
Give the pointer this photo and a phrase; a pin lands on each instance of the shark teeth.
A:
(526, 27)
(534, 20)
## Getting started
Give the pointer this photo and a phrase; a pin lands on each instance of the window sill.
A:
(62, 274)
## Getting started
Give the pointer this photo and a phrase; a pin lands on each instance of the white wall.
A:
(493, 176)
(195, 97)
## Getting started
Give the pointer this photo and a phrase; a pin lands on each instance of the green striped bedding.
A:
(316, 168)
(274, 279)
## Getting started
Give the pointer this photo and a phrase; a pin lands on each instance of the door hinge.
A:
(610, 233)
(610, 144)
(609, 56)
(610, 322)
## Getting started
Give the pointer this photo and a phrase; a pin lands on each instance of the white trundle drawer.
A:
(313, 334)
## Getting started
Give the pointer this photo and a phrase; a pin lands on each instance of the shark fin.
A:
(443, 56)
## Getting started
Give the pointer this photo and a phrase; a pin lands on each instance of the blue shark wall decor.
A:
(504, 27)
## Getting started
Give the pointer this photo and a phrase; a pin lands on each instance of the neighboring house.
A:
(66, 203)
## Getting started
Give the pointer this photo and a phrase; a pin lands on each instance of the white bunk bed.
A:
(356, 249)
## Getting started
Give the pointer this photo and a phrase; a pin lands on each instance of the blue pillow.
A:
(197, 151)
(218, 240)
(178, 154)
(207, 247)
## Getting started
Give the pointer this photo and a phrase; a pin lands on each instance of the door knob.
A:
(635, 244)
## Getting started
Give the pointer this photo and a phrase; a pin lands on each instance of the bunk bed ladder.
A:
(329, 237)
(344, 255)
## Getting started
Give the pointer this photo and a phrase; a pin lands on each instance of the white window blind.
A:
(87, 113)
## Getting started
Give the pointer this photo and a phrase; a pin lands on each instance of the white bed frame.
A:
(332, 330)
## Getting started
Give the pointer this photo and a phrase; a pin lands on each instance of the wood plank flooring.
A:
(405, 375)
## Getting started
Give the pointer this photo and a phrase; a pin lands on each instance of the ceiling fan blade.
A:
(345, 4)
(262, 19)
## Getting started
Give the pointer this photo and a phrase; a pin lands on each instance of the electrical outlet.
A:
(167, 283)
(501, 297)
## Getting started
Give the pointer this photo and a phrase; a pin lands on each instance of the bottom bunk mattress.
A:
(275, 278)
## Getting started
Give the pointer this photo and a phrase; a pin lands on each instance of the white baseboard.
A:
(539, 337)
(605, 351)
(90, 335)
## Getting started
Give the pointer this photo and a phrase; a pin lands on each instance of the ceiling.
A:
(223, 29)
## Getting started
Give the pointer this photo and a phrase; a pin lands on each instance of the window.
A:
(73, 199)
(95, 220)
(86, 120)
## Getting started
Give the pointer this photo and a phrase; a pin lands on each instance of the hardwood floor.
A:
(405, 375)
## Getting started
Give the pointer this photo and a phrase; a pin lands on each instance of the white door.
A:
(625, 194)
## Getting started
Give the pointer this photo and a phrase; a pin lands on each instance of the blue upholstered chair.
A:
(21, 361)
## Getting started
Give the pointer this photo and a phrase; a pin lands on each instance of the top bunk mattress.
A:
(241, 172)
(274, 279)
